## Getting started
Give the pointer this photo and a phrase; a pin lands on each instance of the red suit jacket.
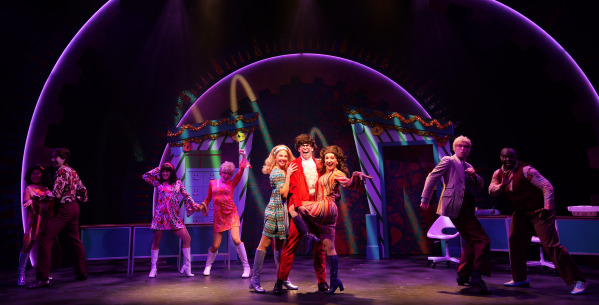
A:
(298, 187)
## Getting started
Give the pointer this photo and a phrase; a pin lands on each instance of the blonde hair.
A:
(271, 161)
(459, 140)
(227, 167)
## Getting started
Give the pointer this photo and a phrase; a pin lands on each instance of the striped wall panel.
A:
(367, 147)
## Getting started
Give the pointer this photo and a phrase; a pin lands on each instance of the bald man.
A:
(531, 196)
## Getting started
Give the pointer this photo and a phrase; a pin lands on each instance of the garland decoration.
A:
(230, 133)
(440, 140)
(411, 120)
(211, 123)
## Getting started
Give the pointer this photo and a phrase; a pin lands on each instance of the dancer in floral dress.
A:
(276, 216)
(323, 211)
(166, 213)
(38, 200)
(226, 216)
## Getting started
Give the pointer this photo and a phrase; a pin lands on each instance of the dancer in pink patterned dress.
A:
(226, 216)
(166, 213)
(323, 211)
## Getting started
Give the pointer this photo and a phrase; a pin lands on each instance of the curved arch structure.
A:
(47, 111)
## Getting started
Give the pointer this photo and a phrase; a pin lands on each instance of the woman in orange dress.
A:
(323, 211)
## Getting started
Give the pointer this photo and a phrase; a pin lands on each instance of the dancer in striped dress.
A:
(276, 216)
(323, 211)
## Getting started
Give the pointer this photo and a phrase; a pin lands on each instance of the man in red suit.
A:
(302, 187)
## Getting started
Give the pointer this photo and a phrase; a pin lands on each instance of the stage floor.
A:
(401, 280)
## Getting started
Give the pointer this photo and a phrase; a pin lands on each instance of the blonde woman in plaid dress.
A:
(276, 219)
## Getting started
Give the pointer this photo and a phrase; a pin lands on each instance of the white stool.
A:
(541, 262)
(436, 232)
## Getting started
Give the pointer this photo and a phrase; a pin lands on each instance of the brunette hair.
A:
(63, 153)
(338, 152)
(172, 178)
(304, 138)
(30, 171)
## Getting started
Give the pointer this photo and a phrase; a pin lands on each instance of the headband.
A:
(279, 149)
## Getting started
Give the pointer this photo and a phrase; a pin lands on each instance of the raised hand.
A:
(291, 168)
(244, 161)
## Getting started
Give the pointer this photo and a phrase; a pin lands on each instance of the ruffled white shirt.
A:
(311, 174)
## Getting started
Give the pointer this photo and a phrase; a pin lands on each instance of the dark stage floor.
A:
(402, 280)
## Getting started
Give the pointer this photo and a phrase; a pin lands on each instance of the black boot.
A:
(278, 287)
(308, 237)
(477, 281)
(463, 281)
(287, 283)
(333, 261)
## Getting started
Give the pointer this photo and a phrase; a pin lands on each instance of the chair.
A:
(541, 262)
(436, 232)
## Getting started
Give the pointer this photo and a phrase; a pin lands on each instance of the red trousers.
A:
(288, 254)
(65, 217)
(523, 226)
(476, 250)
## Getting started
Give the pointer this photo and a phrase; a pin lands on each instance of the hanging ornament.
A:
(239, 137)
(377, 130)
(187, 147)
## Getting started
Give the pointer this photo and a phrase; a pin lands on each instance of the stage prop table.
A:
(133, 241)
(579, 234)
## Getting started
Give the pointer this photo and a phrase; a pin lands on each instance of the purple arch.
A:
(65, 71)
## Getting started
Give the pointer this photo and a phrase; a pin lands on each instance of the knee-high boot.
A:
(258, 262)
(209, 261)
(308, 237)
(333, 261)
(23, 258)
(186, 262)
(153, 260)
(287, 283)
(244, 260)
